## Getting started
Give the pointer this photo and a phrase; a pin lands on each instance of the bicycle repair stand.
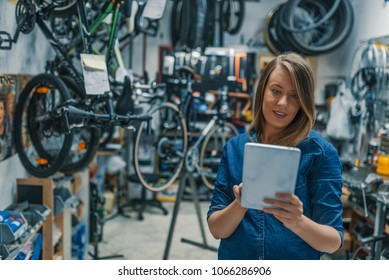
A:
(119, 207)
(97, 224)
(187, 177)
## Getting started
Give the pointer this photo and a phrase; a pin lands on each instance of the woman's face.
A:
(280, 102)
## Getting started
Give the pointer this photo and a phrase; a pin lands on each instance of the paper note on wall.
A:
(95, 74)
(154, 9)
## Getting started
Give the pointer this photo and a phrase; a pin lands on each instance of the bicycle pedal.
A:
(5, 41)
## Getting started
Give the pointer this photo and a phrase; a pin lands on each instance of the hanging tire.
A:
(40, 138)
(64, 8)
(327, 36)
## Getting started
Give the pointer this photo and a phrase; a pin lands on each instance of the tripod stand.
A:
(187, 177)
(119, 193)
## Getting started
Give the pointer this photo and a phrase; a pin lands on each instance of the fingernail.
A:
(241, 184)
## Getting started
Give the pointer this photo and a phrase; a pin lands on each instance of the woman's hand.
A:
(289, 209)
(224, 222)
(238, 192)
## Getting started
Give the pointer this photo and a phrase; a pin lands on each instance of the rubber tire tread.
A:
(344, 14)
(18, 134)
(65, 11)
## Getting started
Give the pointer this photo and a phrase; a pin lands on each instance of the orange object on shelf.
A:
(383, 165)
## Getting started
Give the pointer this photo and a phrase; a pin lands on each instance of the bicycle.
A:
(171, 152)
(46, 114)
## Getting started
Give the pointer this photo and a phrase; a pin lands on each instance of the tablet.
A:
(268, 169)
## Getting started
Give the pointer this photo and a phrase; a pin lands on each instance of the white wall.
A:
(10, 169)
(26, 57)
(29, 55)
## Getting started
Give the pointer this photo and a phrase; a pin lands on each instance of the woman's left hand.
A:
(289, 209)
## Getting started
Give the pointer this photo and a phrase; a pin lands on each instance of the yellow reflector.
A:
(41, 161)
(42, 90)
(81, 147)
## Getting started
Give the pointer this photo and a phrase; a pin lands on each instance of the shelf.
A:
(31, 231)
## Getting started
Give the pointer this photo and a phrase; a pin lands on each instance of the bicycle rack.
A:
(5, 41)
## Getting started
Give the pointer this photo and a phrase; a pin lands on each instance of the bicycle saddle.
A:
(188, 72)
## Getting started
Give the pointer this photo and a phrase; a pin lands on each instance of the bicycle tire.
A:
(211, 152)
(269, 30)
(161, 148)
(65, 10)
(199, 11)
(291, 6)
(230, 24)
(41, 143)
(210, 24)
(85, 139)
(175, 21)
(315, 44)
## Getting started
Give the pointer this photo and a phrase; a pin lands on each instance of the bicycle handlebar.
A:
(112, 118)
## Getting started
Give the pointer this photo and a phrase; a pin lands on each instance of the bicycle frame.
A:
(115, 6)
(84, 37)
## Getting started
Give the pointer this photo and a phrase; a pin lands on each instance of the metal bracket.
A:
(5, 41)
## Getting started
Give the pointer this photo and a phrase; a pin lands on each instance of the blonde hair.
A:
(302, 79)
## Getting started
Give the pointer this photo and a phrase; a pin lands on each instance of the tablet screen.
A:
(268, 169)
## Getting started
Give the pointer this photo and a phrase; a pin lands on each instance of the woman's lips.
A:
(280, 115)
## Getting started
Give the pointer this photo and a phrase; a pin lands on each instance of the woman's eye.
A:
(276, 91)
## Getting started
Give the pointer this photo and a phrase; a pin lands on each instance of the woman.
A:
(305, 224)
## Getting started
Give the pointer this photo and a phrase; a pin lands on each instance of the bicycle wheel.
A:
(211, 151)
(160, 147)
(40, 138)
(63, 8)
(233, 12)
(325, 37)
(85, 141)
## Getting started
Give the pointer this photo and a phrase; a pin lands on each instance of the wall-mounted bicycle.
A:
(46, 114)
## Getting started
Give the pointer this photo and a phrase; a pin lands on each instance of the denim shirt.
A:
(260, 235)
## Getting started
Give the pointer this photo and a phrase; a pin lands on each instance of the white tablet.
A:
(268, 169)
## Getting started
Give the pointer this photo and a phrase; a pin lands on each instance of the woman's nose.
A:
(283, 100)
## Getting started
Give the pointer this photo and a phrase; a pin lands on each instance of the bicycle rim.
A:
(160, 149)
(211, 152)
(40, 140)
